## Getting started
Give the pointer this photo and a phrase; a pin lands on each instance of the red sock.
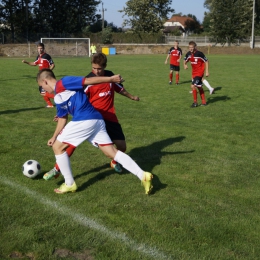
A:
(170, 76)
(202, 95)
(194, 92)
(70, 150)
(177, 76)
(47, 100)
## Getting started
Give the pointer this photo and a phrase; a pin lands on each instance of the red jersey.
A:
(101, 96)
(197, 60)
(44, 61)
(175, 55)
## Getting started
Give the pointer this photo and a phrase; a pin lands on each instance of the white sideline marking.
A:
(87, 222)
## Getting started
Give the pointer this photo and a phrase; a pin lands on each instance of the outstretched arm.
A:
(29, 63)
(127, 94)
(98, 80)
(207, 68)
(167, 59)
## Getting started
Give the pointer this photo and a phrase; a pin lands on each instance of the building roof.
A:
(180, 19)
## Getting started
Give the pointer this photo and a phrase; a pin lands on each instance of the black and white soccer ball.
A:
(31, 169)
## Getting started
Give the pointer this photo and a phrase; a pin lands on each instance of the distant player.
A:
(44, 61)
(86, 124)
(199, 64)
(175, 53)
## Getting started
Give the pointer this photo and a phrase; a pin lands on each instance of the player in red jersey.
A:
(101, 96)
(43, 61)
(175, 53)
(199, 64)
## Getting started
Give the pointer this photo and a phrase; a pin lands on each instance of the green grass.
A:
(205, 162)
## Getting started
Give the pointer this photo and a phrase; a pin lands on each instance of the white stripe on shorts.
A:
(76, 132)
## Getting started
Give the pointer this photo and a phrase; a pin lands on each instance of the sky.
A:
(185, 7)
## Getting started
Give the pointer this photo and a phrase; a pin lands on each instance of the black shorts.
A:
(114, 130)
(197, 81)
(174, 68)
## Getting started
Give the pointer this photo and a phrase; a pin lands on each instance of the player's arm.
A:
(29, 63)
(127, 94)
(185, 64)
(62, 121)
(167, 58)
(98, 80)
(207, 68)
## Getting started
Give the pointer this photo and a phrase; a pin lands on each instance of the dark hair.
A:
(100, 59)
(40, 44)
(193, 43)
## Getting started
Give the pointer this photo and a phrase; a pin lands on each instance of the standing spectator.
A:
(199, 64)
(44, 61)
(175, 53)
(93, 49)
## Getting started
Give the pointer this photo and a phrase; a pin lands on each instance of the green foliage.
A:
(193, 25)
(230, 20)
(146, 15)
(205, 163)
(107, 36)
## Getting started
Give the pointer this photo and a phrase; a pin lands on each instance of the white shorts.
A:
(76, 132)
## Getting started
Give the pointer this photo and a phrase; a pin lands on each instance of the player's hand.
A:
(117, 79)
(165, 62)
(185, 67)
(51, 141)
(207, 74)
(55, 118)
(23, 61)
(135, 98)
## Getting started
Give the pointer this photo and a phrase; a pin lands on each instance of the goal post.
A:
(67, 46)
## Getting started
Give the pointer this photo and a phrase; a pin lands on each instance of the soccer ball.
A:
(31, 169)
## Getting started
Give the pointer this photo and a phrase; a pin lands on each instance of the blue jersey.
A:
(71, 99)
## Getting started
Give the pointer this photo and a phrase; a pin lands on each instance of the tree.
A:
(63, 16)
(230, 20)
(146, 15)
(193, 25)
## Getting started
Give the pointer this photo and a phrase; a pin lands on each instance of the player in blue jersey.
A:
(86, 124)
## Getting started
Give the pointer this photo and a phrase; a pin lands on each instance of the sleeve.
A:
(117, 87)
(73, 83)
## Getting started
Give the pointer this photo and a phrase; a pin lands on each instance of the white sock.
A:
(129, 164)
(206, 83)
(63, 161)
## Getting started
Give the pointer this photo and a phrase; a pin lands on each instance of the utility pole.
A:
(103, 17)
(252, 43)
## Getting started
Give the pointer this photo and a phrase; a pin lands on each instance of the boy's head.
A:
(192, 46)
(98, 63)
(43, 77)
(40, 48)
(176, 44)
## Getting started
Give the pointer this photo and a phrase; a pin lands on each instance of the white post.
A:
(76, 48)
(252, 43)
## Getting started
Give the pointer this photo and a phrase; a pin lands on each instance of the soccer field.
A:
(205, 161)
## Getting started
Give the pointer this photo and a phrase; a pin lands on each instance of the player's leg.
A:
(116, 134)
(129, 164)
(63, 161)
(171, 74)
(55, 171)
(46, 96)
(202, 95)
(177, 75)
(194, 93)
(106, 146)
(206, 83)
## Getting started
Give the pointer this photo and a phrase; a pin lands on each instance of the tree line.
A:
(225, 21)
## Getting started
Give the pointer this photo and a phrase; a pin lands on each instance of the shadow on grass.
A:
(19, 110)
(146, 157)
(217, 99)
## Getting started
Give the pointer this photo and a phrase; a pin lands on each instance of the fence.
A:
(205, 41)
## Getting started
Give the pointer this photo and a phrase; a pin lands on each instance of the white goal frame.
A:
(72, 39)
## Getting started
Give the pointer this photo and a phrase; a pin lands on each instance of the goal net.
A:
(67, 46)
